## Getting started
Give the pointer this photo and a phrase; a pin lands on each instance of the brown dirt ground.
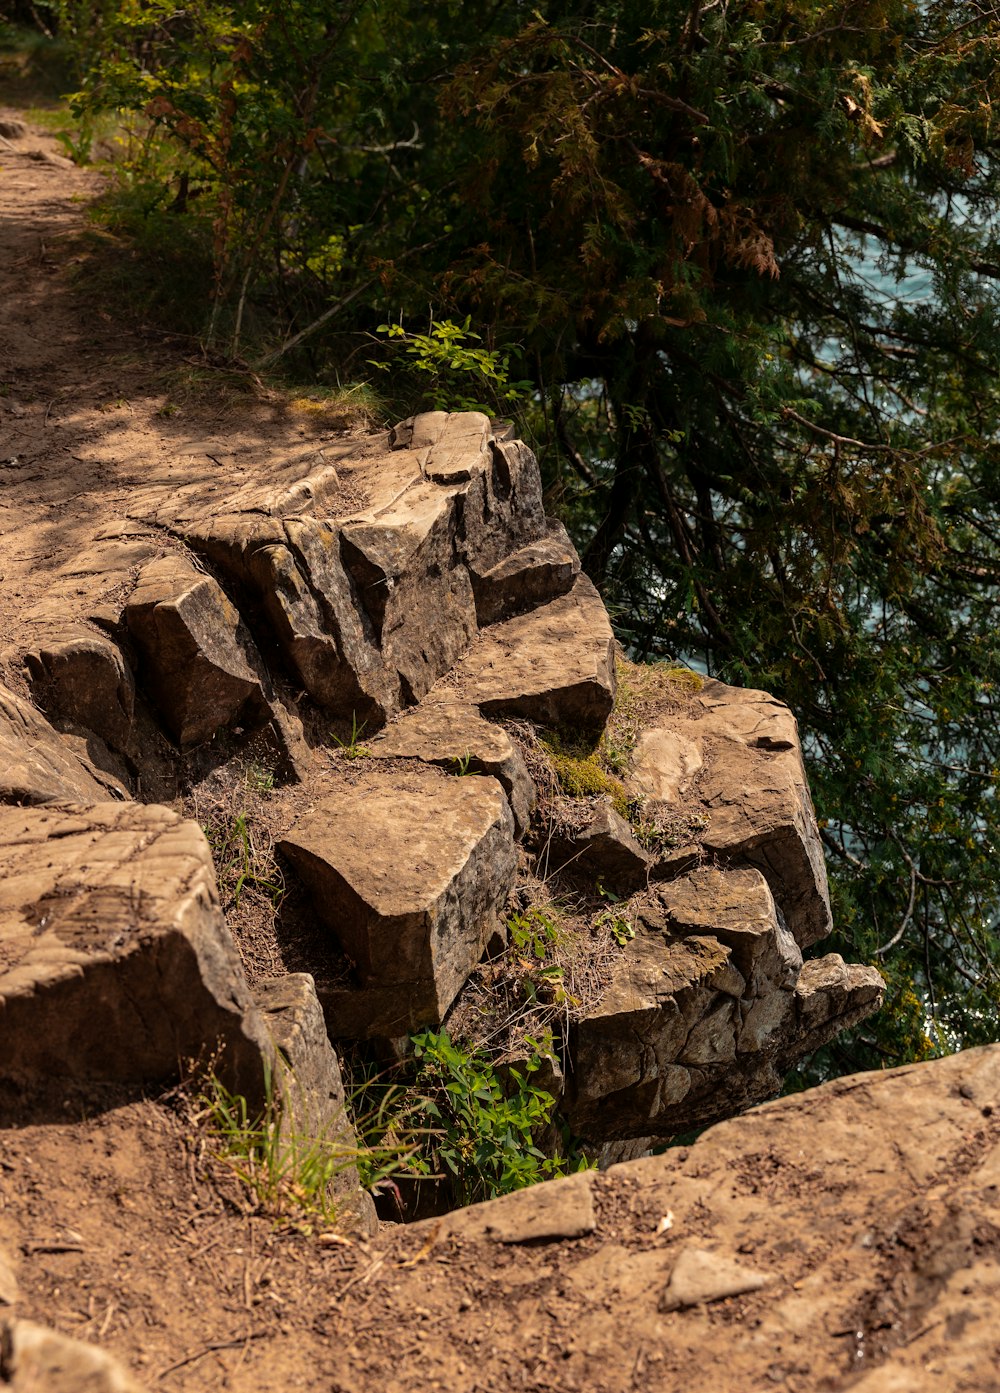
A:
(863, 1207)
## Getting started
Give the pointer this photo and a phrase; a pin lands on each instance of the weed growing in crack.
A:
(287, 1173)
(352, 748)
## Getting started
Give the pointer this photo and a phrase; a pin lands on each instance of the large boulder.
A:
(115, 961)
(407, 869)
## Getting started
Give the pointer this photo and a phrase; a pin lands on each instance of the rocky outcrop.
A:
(409, 594)
(711, 998)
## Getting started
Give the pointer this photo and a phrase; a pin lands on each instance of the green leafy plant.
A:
(615, 920)
(484, 1124)
(458, 374)
(534, 931)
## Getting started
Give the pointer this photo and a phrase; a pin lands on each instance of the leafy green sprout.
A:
(352, 747)
(485, 1125)
(447, 354)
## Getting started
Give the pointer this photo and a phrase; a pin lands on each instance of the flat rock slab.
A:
(407, 869)
(735, 755)
(459, 740)
(561, 1209)
(38, 765)
(34, 1359)
(554, 666)
(871, 1206)
(709, 1007)
(115, 961)
(700, 1276)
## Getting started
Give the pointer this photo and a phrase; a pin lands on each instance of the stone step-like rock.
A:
(529, 577)
(709, 1007)
(554, 665)
(735, 754)
(460, 741)
(602, 850)
(80, 676)
(315, 1118)
(407, 870)
(38, 765)
(197, 659)
(115, 961)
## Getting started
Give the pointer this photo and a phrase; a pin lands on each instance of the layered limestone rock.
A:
(115, 961)
(409, 587)
(408, 873)
(710, 1002)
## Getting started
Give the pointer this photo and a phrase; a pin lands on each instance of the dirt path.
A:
(102, 426)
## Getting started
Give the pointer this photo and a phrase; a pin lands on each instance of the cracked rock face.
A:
(710, 1005)
(408, 873)
(736, 754)
(115, 961)
(196, 653)
(37, 765)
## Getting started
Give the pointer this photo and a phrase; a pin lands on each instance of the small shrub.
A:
(484, 1130)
